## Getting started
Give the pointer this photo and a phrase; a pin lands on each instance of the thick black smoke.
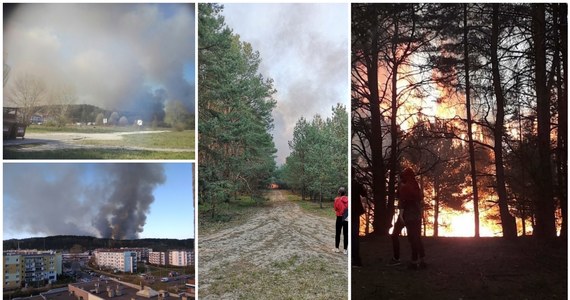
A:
(123, 214)
(105, 200)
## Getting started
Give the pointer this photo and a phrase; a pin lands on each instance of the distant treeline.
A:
(66, 242)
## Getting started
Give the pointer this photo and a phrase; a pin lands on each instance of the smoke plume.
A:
(304, 48)
(104, 200)
(117, 56)
(123, 215)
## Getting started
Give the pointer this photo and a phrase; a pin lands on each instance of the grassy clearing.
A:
(313, 207)
(464, 268)
(292, 278)
(12, 153)
(227, 214)
(169, 140)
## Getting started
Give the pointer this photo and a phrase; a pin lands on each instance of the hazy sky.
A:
(304, 48)
(149, 200)
(117, 56)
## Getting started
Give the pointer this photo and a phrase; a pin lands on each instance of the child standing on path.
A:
(340, 206)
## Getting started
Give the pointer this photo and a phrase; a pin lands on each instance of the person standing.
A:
(341, 208)
(395, 236)
(357, 210)
(411, 201)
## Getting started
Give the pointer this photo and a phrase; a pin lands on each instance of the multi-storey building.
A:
(142, 253)
(27, 269)
(158, 258)
(124, 261)
(12, 271)
(180, 258)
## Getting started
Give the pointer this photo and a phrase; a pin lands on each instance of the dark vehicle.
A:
(13, 124)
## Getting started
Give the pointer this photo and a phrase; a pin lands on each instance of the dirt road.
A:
(281, 252)
(75, 140)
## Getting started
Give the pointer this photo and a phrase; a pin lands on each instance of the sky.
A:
(116, 56)
(304, 49)
(120, 200)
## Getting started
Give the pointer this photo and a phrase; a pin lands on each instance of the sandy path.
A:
(276, 233)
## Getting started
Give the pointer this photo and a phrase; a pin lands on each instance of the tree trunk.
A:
(393, 127)
(436, 208)
(562, 95)
(469, 121)
(508, 222)
(545, 221)
(378, 178)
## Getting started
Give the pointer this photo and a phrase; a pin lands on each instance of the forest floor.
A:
(463, 268)
(282, 251)
(156, 144)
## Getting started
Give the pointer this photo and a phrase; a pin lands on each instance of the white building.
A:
(180, 258)
(158, 258)
(124, 261)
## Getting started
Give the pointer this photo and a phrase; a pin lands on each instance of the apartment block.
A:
(124, 261)
(180, 258)
(28, 269)
(158, 258)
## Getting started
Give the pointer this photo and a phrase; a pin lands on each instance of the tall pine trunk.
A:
(393, 125)
(561, 11)
(470, 121)
(545, 221)
(378, 178)
(508, 222)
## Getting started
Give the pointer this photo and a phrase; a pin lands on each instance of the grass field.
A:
(164, 145)
(11, 153)
(227, 214)
(314, 207)
(170, 140)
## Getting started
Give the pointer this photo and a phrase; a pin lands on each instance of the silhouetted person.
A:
(357, 211)
(410, 201)
(340, 206)
(398, 226)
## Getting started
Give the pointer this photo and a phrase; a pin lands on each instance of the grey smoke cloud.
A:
(105, 200)
(116, 55)
(304, 48)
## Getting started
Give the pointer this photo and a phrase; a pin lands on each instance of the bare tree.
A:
(61, 99)
(6, 73)
(27, 92)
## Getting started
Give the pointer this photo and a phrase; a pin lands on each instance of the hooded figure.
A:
(411, 202)
(410, 196)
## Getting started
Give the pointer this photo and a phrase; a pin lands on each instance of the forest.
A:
(236, 150)
(318, 163)
(237, 153)
(473, 97)
(66, 242)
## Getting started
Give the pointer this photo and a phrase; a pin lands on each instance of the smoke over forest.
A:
(132, 57)
(104, 200)
(303, 48)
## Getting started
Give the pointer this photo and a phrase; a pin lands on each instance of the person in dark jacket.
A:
(357, 210)
(411, 202)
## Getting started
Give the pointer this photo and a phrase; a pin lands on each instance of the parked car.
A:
(13, 124)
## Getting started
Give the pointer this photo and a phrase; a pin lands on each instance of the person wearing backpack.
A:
(341, 209)
(411, 202)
